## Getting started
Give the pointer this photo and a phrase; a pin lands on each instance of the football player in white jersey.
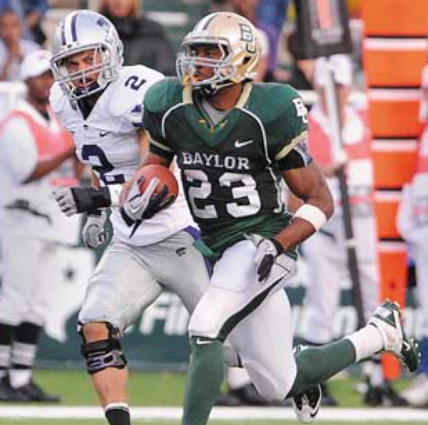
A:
(100, 103)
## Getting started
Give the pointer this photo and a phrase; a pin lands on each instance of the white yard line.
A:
(219, 413)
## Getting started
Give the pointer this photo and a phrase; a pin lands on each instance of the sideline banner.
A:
(158, 340)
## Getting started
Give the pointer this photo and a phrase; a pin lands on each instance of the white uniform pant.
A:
(326, 257)
(255, 315)
(30, 267)
(128, 279)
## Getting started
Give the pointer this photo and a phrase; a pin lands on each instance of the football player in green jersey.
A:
(236, 142)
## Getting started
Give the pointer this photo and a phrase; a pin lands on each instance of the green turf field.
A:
(159, 389)
(163, 389)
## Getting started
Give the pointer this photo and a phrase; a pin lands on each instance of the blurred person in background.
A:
(36, 155)
(301, 71)
(13, 47)
(271, 16)
(31, 13)
(144, 40)
(248, 9)
(413, 225)
(325, 252)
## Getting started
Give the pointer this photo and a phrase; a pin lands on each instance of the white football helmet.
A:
(236, 37)
(80, 31)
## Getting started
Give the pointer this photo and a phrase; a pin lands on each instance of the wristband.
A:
(278, 246)
(312, 214)
(88, 199)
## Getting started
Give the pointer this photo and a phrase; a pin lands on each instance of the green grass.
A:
(163, 389)
(159, 389)
(145, 389)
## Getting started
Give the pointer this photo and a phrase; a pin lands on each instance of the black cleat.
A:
(228, 400)
(33, 393)
(384, 395)
(7, 393)
(243, 396)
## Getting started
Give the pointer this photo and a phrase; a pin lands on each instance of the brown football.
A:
(165, 176)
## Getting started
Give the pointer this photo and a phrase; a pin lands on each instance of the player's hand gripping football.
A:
(267, 252)
(93, 232)
(145, 203)
(138, 202)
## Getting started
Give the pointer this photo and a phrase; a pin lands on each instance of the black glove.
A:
(267, 252)
(75, 200)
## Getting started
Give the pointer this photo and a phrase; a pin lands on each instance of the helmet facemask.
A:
(227, 70)
(223, 68)
(106, 69)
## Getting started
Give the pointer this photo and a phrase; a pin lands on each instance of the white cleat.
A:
(387, 319)
(307, 404)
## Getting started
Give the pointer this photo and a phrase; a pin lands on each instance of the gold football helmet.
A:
(236, 38)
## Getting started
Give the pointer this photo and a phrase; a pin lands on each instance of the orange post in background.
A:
(394, 53)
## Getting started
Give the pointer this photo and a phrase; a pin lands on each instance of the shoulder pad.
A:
(163, 95)
(270, 101)
(130, 88)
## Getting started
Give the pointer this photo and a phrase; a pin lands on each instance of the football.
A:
(165, 176)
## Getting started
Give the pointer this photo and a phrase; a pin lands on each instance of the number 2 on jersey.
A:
(134, 82)
(94, 153)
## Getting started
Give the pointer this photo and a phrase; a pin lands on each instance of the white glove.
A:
(137, 202)
(65, 200)
(93, 232)
(267, 252)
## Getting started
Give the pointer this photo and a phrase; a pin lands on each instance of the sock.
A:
(317, 364)
(6, 337)
(204, 379)
(118, 414)
(237, 378)
(24, 350)
(367, 341)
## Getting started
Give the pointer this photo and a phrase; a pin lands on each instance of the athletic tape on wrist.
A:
(312, 214)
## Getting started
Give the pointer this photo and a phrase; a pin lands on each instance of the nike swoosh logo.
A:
(407, 346)
(313, 414)
(104, 133)
(201, 341)
(239, 144)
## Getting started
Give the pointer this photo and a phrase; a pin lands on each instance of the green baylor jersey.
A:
(230, 171)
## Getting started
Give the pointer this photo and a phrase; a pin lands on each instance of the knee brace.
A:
(100, 355)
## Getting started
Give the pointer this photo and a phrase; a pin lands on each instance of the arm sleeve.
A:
(298, 157)
(19, 149)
